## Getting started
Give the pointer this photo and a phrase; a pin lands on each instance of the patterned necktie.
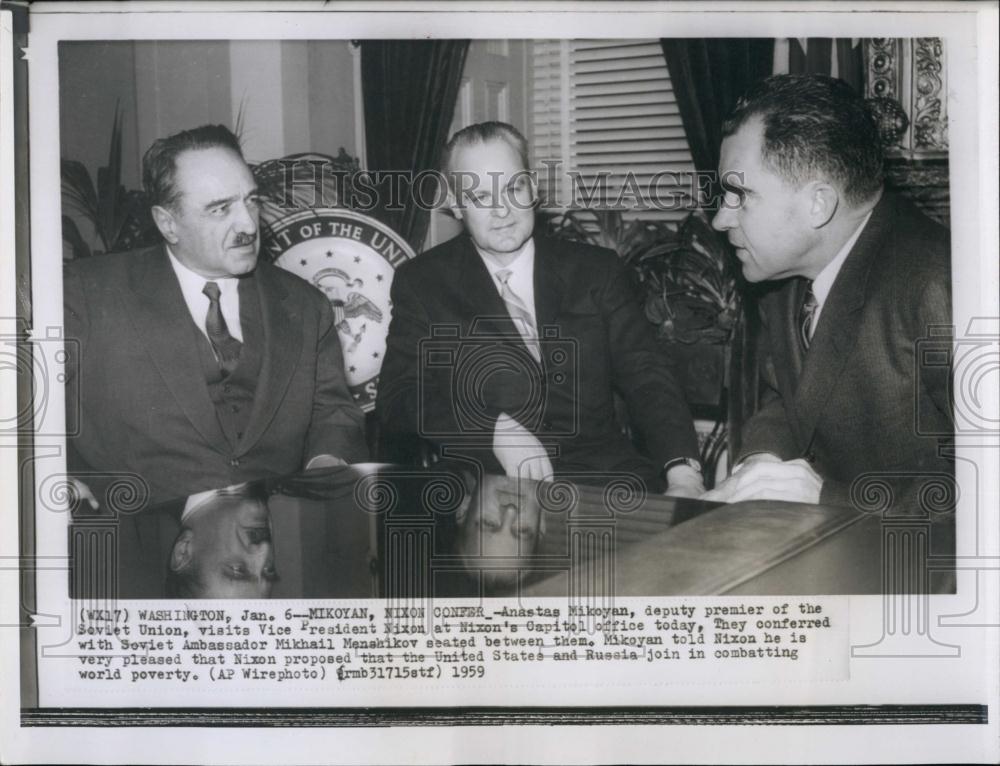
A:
(806, 314)
(522, 316)
(227, 348)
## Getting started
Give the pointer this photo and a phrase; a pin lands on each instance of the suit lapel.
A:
(163, 322)
(549, 285)
(282, 323)
(788, 355)
(837, 331)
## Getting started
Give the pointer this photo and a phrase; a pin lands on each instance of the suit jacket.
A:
(455, 361)
(864, 399)
(137, 395)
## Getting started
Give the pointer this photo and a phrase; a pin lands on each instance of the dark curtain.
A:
(817, 58)
(410, 90)
(708, 76)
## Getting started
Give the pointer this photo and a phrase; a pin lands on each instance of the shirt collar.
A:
(192, 280)
(524, 261)
(823, 283)
(192, 284)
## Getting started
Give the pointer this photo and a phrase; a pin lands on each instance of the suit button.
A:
(239, 434)
(810, 456)
(547, 425)
(235, 462)
(235, 408)
(227, 388)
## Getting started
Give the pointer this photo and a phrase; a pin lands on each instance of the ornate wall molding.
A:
(882, 58)
(912, 72)
(930, 99)
(909, 75)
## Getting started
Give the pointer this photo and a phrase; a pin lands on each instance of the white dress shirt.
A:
(824, 281)
(197, 302)
(522, 274)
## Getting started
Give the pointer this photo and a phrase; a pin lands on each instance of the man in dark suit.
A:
(198, 365)
(507, 347)
(859, 276)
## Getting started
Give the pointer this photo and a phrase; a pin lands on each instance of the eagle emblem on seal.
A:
(351, 258)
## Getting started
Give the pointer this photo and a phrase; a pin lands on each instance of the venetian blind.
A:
(606, 110)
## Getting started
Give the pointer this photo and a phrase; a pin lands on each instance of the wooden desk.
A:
(600, 541)
(769, 548)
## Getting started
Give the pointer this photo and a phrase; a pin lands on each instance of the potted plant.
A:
(119, 217)
(688, 292)
(687, 283)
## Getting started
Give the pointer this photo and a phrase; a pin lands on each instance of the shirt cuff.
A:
(324, 461)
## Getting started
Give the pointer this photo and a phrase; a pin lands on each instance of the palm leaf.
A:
(78, 188)
(71, 233)
(686, 271)
(112, 213)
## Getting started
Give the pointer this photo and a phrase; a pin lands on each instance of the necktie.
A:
(806, 314)
(227, 348)
(522, 316)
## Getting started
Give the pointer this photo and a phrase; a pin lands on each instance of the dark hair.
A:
(815, 126)
(484, 132)
(159, 163)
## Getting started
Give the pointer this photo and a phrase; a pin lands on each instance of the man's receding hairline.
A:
(473, 143)
(202, 149)
(178, 194)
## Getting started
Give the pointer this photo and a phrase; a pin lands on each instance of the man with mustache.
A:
(857, 276)
(507, 347)
(193, 364)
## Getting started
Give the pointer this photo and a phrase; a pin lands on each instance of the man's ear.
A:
(165, 222)
(181, 554)
(823, 202)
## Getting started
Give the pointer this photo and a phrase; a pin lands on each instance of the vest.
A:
(233, 395)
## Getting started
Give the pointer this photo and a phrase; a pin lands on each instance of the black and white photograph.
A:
(413, 372)
(652, 291)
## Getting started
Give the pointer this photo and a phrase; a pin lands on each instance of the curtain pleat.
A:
(708, 75)
(410, 90)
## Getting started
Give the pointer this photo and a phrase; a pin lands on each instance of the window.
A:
(605, 111)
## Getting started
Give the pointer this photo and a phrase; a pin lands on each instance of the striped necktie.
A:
(806, 315)
(227, 348)
(524, 320)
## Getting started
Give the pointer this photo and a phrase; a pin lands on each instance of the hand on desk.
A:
(519, 452)
(766, 477)
(684, 481)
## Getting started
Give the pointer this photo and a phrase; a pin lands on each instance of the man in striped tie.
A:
(859, 277)
(507, 347)
(193, 363)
